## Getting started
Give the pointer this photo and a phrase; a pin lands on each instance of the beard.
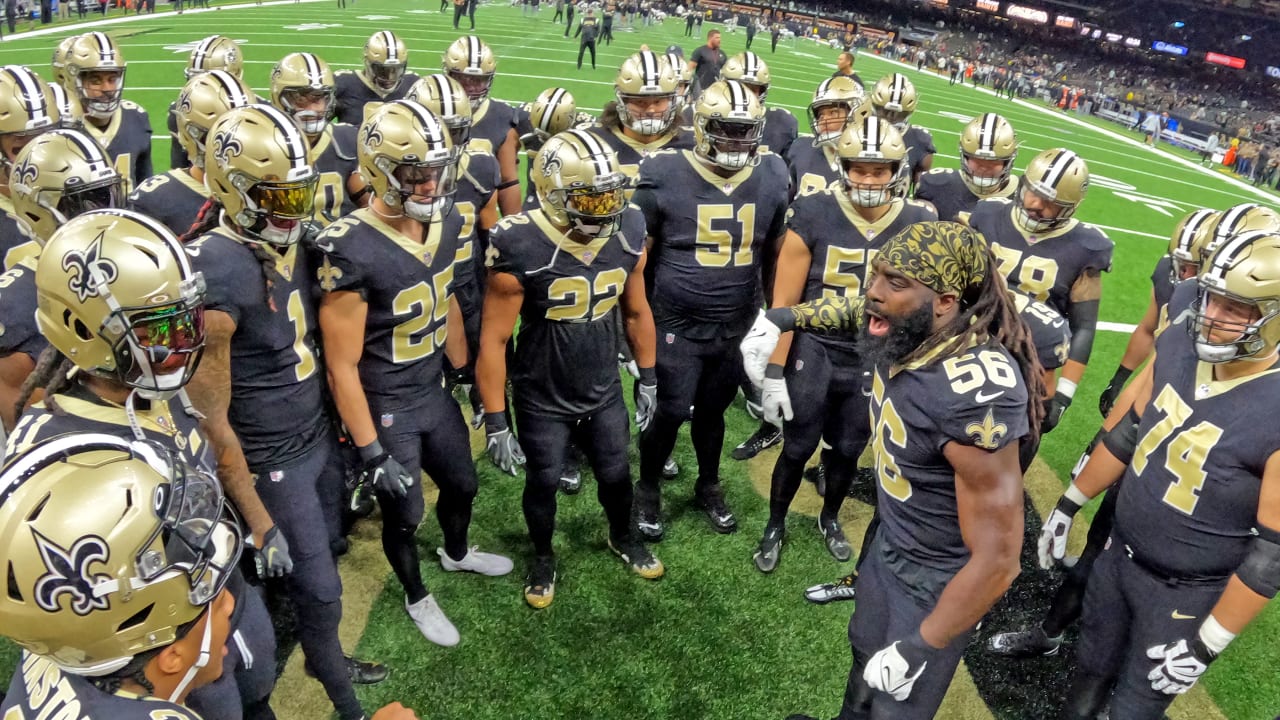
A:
(904, 336)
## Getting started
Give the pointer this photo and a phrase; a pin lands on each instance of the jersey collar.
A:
(106, 135)
(424, 252)
(584, 253)
(726, 185)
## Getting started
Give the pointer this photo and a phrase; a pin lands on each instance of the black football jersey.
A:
(1189, 500)
(18, 329)
(954, 200)
(567, 346)
(632, 152)
(39, 689)
(1049, 330)
(478, 178)
(174, 198)
(780, 130)
(919, 142)
(490, 126)
(812, 167)
(1162, 281)
(127, 141)
(177, 154)
(352, 91)
(1178, 311)
(14, 245)
(276, 404)
(333, 154)
(842, 245)
(1044, 266)
(408, 285)
(972, 396)
(709, 236)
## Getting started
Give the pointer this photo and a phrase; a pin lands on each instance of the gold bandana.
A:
(945, 256)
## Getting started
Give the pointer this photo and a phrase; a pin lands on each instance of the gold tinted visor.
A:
(597, 203)
(286, 200)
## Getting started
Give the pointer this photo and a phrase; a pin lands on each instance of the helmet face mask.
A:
(158, 348)
(407, 156)
(837, 103)
(728, 123)
(444, 97)
(1050, 191)
(988, 148)
(1237, 312)
(59, 175)
(871, 150)
(94, 72)
(385, 60)
(580, 185)
(471, 62)
(302, 85)
(646, 93)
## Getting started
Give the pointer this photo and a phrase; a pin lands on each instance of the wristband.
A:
(1066, 388)
(371, 452)
(773, 371)
(507, 184)
(495, 421)
(1121, 376)
(1214, 637)
(1075, 496)
(648, 376)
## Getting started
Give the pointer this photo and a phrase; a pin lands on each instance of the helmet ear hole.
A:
(81, 330)
(15, 593)
(136, 619)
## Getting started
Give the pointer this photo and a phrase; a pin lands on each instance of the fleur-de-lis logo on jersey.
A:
(986, 434)
(89, 269)
(225, 144)
(68, 574)
(328, 276)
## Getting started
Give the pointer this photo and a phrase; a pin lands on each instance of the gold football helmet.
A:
(113, 548)
(202, 101)
(1061, 179)
(1233, 221)
(580, 184)
(59, 175)
(750, 70)
(70, 116)
(215, 52)
(385, 60)
(302, 86)
(256, 166)
(1244, 268)
(1184, 254)
(470, 61)
(446, 99)
(728, 122)
(59, 63)
(875, 140)
(27, 108)
(552, 112)
(684, 81)
(894, 98)
(116, 295)
(987, 137)
(406, 153)
(840, 92)
(645, 80)
(95, 74)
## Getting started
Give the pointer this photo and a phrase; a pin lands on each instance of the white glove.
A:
(757, 346)
(776, 401)
(629, 365)
(1052, 546)
(890, 671)
(1180, 665)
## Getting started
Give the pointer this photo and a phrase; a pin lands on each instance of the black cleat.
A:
(818, 476)
(765, 436)
(769, 551)
(841, 589)
(833, 534)
(570, 481)
(1023, 644)
(670, 469)
(711, 501)
(361, 672)
(648, 511)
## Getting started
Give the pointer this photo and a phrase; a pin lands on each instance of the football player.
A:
(838, 103)
(684, 75)
(215, 52)
(71, 116)
(832, 235)
(27, 109)
(1194, 553)
(63, 173)
(780, 127)
(640, 120)
(1045, 252)
(712, 215)
(126, 279)
(58, 65)
(302, 85)
(94, 75)
(259, 383)
(551, 113)
(561, 270)
(383, 78)
(894, 98)
(471, 62)
(177, 197)
(388, 318)
(944, 339)
(988, 147)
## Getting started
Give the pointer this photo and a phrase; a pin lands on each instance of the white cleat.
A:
(431, 622)
(481, 563)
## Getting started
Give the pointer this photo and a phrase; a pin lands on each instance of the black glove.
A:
(500, 445)
(383, 471)
(646, 397)
(272, 559)
(1107, 399)
(1053, 412)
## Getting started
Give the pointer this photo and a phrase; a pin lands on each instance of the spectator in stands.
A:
(1263, 169)
(1211, 146)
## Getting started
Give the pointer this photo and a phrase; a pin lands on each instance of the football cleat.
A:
(432, 622)
(480, 563)
(361, 672)
(834, 537)
(765, 436)
(540, 586)
(648, 509)
(711, 501)
(570, 481)
(638, 558)
(1023, 644)
(824, 593)
(818, 476)
(670, 469)
(770, 549)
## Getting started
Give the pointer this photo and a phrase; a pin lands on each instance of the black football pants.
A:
(587, 45)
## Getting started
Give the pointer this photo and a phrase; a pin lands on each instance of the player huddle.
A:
(248, 351)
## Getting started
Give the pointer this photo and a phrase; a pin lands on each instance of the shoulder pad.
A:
(935, 171)
(662, 152)
(130, 105)
(345, 140)
(343, 72)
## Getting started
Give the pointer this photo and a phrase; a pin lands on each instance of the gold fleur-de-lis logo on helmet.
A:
(986, 434)
(89, 270)
(68, 574)
(226, 145)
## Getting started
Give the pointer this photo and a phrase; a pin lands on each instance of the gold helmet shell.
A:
(1060, 177)
(645, 76)
(299, 79)
(446, 99)
(728, 122)
(552, 112)
(57, 176)
(874, 140)
(385, 60)
(202, 101)
(112, 547)
(1244, 268)
(115, 293)
(894, 98)
(403, 146)
(580, 184)
(471, 62)
(1184, 253)
(95, 52)
(58, 64)
(987, 137)
(70, 115)
(838, 91)
(749, 69)
(216, 52)
(1233, 221)
(27, 106)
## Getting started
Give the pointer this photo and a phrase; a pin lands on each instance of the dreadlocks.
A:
(52, 374)
(207, 219)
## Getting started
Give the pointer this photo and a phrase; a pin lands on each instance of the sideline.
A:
(89, 25)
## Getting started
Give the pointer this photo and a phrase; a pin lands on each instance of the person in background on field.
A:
(587, 31)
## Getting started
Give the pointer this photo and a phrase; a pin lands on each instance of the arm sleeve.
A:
(1083, 319)
(825, 316)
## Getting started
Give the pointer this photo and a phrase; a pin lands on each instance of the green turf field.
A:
(714, 639)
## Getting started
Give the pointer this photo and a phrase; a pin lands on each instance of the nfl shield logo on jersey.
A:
(670, 338)
(388, 420)
(276, 475)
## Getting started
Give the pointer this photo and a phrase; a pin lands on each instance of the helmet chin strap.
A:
(205, 640)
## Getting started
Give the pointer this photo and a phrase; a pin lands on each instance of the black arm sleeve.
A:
(1083, 319)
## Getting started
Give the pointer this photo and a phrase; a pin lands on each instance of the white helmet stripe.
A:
(871, 139)
(751, 65)
(823, 88)
(161, 231)
(106, 48)
(1058, 168)
(899, 88)
(1197, 221)
(430, 124)
(235, 93)
(1232, 218)
(599, 154)
(987, 133)
(92, 151)
(201, 53)
(390, 39)
(739, 95)
(57, 449)
(445, 91)
(649, 67)
(553, 104)
(473, 52)
(1226, 255)
(315, 75)
(294, 141)
(37, 106)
